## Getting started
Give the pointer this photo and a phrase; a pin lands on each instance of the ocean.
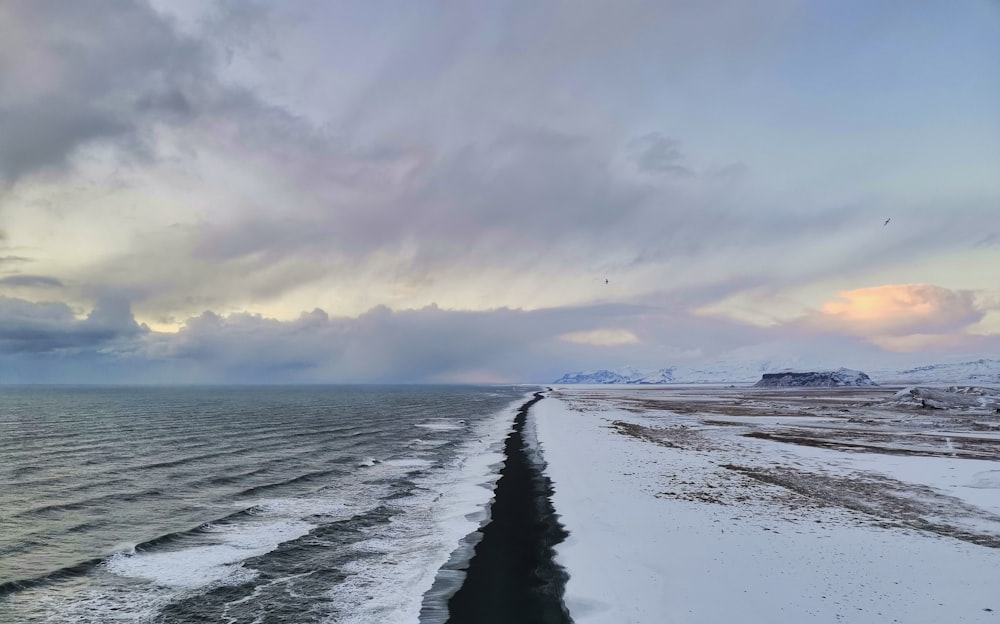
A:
(335, 504)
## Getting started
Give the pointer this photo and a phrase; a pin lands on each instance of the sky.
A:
(398, 191)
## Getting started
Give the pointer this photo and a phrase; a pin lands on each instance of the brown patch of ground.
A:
(869, 442)
(648, 434)
(891, 502)
(850, 421)
(677, 436)
(847, 419)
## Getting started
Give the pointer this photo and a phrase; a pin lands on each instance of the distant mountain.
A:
(983, 371)
(595, 377)
(662, 376)
(673, 374)
(815, 379)
(621, 376)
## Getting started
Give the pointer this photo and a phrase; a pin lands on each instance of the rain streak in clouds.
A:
(244, 192)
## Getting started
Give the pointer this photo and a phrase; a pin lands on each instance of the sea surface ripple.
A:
(241, 504)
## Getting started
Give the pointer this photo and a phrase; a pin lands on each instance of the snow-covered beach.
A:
(714, 504)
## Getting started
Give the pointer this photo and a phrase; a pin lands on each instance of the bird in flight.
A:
(605, 280)
(887, 222)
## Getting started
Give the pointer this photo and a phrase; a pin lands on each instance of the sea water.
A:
(243, 504)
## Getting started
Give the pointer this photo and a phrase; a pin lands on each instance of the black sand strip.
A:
(513, 577)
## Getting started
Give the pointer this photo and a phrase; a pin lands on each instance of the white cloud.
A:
(602, 337)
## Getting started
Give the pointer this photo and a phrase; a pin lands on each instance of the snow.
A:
(666, 525)
(968, 398)
(981, 371)
(672, 374)
(975, 372)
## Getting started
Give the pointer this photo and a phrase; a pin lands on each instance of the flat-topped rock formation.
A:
(815, 379)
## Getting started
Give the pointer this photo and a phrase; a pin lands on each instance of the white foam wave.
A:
(302, 507)
(442, 425)
(276, 521)
(403, 558)
(172, 573)
(217, 564)
(97, 607)
(427, 443)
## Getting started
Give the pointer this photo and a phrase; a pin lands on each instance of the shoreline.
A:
(513, 575)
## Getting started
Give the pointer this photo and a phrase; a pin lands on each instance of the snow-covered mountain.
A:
(673, 374)
(815, 379)
(982, 371)
(594, 377)
(620, 376)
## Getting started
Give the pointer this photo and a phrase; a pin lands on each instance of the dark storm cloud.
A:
(44, 342)
(34, 328)
(78, 72)
(423, 345)
(381, 345)
(429, 344)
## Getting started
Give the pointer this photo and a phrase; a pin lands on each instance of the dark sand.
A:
(513, 577)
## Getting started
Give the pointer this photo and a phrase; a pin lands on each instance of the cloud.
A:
(31, 281)
(104, 71)
(898, 310)
(47, 342)
(532, 207)
(989, 240)
(429, 344)
(424, 345)
(448, 189)
(919, 343)
(905, 318)
(490, 168)
(602, 337)
(487, 168)
(42, 328)
(656, 153)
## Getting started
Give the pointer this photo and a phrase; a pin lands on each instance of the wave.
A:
(76, 569)
(42, 510)
(305, 478)
(217, 563)
(84, 567)
(375, 535)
